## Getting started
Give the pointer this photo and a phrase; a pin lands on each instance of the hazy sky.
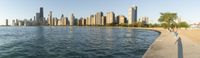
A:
(188, 10)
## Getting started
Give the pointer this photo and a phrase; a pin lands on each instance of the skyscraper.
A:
(64, 20)
(50, 19)
(71, 21)
(98, 18)
(37, 18)
(55, 21)
(6, 22)
(110, 18)
(41, 14)
(59, 22)
(88, 21)
(76, 21)
(132, 15)
(17, 22)
(40, 17)
(121, 19)
(103, 20)
(80, 22)
(92, 18)
(144, 20)
(13, 22)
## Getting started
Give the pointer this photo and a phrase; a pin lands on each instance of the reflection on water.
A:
(74, 42)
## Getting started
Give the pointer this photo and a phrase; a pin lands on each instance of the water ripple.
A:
(80, 42)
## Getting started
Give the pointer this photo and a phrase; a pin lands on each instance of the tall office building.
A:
(98, 18)
(6, 22)
(50, 19)
(71, 21)
(40, 17)
(121, 19)
(55, 21)
(37, 18)
(132, 15)
(110, 18)
(92, 18)
(41, 14)
(25, 22)
(103, 20)
(59, 22)
(83, 22)
(17, 22)
(144, 20)
(88, 20)
(13, 22)
(75, 21)
(80, 22)
(65, 21)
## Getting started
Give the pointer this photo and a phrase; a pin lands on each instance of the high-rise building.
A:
(6, 22)
(110, 18)
(144, 20)
(121, 19)
(92, 18)
(41, 14)
(132, 15)
(25, 23)
(103, 20)
(65, 21)
(55, 21)
(80, 22)
(13, 22)
(88, 21)
(83, 22)
(37, 18)
(52, 22)
(71, 21)
(75, 21)
(50, 19)
(59, 22)
(40, 20)
(98, 18)
(17, 22)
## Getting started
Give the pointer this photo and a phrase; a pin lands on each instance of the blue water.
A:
(74, 42)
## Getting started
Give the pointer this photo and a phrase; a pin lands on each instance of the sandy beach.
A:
(167, 45)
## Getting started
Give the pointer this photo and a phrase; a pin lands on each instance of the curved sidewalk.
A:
(168, 46)
(165, 46)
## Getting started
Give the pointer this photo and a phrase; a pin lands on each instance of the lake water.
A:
(74, 42)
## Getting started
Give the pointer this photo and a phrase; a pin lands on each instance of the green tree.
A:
(164, 25)
(168, 20)
(183, 25)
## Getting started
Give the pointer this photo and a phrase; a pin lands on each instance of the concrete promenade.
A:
(167, 45)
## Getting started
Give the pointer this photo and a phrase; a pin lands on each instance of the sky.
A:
(188, 10)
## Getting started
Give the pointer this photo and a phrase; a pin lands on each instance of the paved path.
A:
(191, 44)
(163, 47)
(167, 45)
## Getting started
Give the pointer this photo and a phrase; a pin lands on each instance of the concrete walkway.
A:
(168, 46)
(191, 43)
(165, 46)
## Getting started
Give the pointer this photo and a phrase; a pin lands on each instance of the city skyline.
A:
(21, 9)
